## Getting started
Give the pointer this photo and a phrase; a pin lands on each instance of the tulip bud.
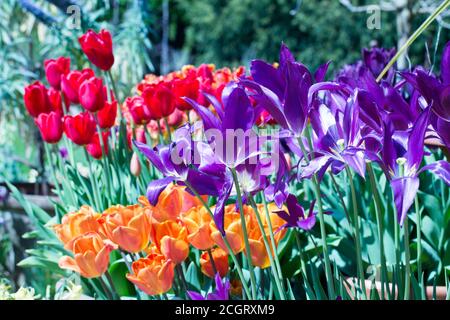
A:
(36, 99)
(220, 263)
(135, 165)
(98, 48)
(54, 69)
(51, 126)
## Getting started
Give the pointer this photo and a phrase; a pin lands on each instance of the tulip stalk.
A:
(323, 234)
(93, 181)
(271, 235)
(225, 240)
(380, 223)
(269, 251)
(211, 259)
(244, 230)
(419, 238)
(407, 259)
(356, 229)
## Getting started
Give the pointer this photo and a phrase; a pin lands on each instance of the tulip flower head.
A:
(80, 128)
(51, 126)
(98, 48)
(153, 275)
(91, 255)
(36, 99)
(75, 224)
(220, 258)
(55, 69)
(128, 227)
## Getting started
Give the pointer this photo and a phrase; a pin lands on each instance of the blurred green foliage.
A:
(235, 31)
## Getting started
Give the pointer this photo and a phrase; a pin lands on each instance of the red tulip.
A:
(51, 126)
(70, 83)
(54, 98)
(138, 110)
(80, 128)
(91, 94)
(187, 87)
(36, 99)
(159, 100)
(94, 148)
(139, 136)
(98, 48)
(107, 116)
(54, 69)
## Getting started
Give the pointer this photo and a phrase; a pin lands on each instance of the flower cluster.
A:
(163, 232)
(51, 107)
(163, 97)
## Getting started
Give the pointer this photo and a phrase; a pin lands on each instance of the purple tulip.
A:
(296, 217)
(221, 292)
(401, 159)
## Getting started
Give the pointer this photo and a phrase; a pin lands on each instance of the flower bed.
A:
(271, 183)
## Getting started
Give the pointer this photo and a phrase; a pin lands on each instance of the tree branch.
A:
(37, 12)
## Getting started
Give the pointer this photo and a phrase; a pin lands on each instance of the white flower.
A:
(25, 294)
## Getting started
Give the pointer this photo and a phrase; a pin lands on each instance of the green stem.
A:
(323, 232)
(414, 36)
(268, 250)
(93, 180)
(419, 240)
(225, 240)
(169, 134)
(244, 230)
(272, 236)
(357, 232)
(407, 259)
(379, 214)
(161, 136)
(113, 84)
(300, 250)
(211, 259)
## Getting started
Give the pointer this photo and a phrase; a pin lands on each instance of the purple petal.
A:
(268, 100)
(285, 55)
(195, 295)
(405, 190)
(319, 76)
(445, 64)
(267, 76)
(155, 188)
(416, 140)
(152, 155)
(219, 213)
(307, 223)
(215, 103)
(210, 121)
(440, 168)
(314, 166)
(298, 81)
(239, 113)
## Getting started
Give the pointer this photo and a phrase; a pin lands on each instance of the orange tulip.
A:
(198, 224)
(75, 224)
(91, 255)
(259, 255)
(128, 227)
(153, 275)
(220, 262)
(233, 230)
(172, 202)
(171, 240)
